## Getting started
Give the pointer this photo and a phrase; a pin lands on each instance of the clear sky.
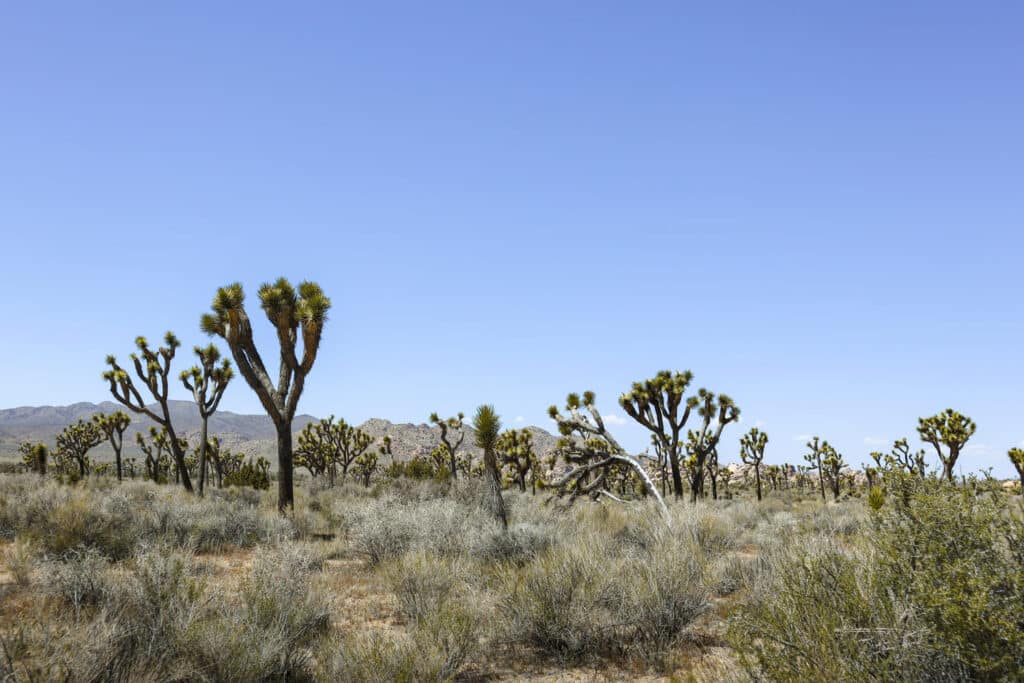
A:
(816, 207)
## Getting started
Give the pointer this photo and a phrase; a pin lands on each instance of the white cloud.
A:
(519, 418)
(614, 419)
(875, 441)
(803, 437)
(978, 449)
(760, 423)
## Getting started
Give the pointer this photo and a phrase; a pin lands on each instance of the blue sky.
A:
(816, 207)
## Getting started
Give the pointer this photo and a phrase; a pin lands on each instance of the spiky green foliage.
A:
(752, 446)
(153, 369)
(452, 435)
(487, 425)
(74, 443)
(206, 382)
(517, 457)
(252, 473)
(716, 412)
(113, 426)
(592, 454)
(326, 445)
(950, 429)
(296, 315)
(658, 404)
(34, 455)
(1017, 458)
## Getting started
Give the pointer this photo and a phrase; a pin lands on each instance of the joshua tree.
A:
(449, 442)
(325, 445)
(818, 450)
(752, 447)
(515, 447)
(711, 467)
(34, 455)
(726, 475)
(1017, 458)
(153, 369)
(661, 458)
(158, 453)
(716, 413)
(207, 382)
(75, 442)
(589, 449)
(950, 429)
(365, 466)
(293, 314)
(487, 425)
(113, 427)
(833, 463)
(901, 458)
(658, 405)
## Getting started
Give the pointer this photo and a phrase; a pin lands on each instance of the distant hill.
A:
(250, 434)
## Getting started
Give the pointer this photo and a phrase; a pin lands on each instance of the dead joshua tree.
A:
(752, 447)
(153, 369)
(207, 382)
(950, 429)
(591, 452)
(114, 426)
(658, 405)
(75, 442)
(452, 435)
(295, 315)
(716, 413)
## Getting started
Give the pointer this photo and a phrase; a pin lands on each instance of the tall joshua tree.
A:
(296, 315)
(75, 442)
(752, 453)
(113, 427)
(1017, 458)
(487, 425)
(452, 435)
(818, 450)
(207, 382)
(716, 412)
(153, 369)
(658, 405)
(950, 429)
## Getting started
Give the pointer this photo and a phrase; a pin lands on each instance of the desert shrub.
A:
(81, 579)
(732, 573)
(581, 600)
(958, 558)
(822, 618)
(522, 543)
(20, 558)
(437, 647)
(423, 583)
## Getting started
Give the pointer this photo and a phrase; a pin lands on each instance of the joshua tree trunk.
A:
(757, 478)
(203, 446)
(285, 490)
